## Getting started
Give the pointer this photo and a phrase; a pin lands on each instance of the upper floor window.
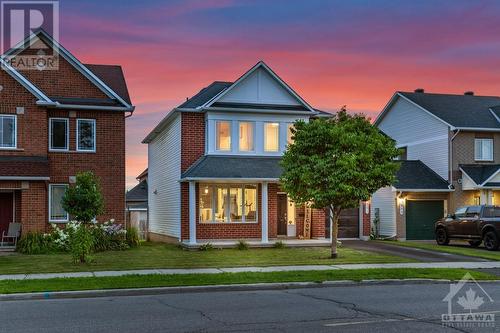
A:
(8, 129)
(289, 134)
(271, 136)
(59, 134)
(85, 135)
(246, 136)
(223, 132)
(483, 150)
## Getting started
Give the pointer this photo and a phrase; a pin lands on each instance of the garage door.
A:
(420, 218)
(348, 223)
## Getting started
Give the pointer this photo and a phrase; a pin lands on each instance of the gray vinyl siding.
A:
(164, 155)
(425, 137)
(385, 200)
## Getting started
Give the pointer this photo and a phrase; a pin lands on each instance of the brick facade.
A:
(108, 162)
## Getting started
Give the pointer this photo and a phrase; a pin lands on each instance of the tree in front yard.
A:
(336, 163)
(83, 202)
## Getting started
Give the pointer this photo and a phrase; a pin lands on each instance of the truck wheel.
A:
(475, 243)
(442, 237)
(491, 241)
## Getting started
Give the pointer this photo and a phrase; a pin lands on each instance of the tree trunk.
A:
(334, 218)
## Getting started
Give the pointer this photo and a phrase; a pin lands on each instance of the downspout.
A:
(451, 156)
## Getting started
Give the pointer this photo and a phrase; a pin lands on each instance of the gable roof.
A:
(104, 74)
(459, 111)
(415, 175)
(112, 76)
(267, 69)
(480, 173)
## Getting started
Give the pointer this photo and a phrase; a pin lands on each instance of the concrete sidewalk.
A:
(466, 265)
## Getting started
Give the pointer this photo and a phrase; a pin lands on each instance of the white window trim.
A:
(50, 205)
(66, 120)
(492, 150)
(254, 125)
(228, 194)
(15, 131)
(231, 141)
(78, 134)
(279, 138)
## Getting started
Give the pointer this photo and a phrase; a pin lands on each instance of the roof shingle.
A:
(418, 176)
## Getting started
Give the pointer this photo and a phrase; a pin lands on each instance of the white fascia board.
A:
(298, 113)
(480, 129)
(495, 115)
(385, 109)
(228, 180)
(160, 127)
(491, 177)
(24, 82)
(272, 73)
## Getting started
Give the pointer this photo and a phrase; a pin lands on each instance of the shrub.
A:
(35, 243)
(279, 245)
(81, 242)
(206, 247)
(132, 237)
(242, 245)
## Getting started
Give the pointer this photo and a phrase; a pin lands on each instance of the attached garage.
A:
(421, 215)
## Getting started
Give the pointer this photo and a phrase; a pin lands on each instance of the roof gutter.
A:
(232, 180)
(450, 152)
(424, 190)
(57, 105)
(299, 113)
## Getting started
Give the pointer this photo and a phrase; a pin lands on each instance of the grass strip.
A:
(157, 280)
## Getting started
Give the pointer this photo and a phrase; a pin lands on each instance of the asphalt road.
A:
(359, 308)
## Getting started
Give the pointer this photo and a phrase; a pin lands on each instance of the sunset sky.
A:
(333, 53)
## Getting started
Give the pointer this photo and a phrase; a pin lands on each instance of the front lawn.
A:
(149, 281)
(158, 255)
(454, 248)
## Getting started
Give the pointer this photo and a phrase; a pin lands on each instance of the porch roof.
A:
(234, 167)
(480, 173)
(24, 167)
(416, 176)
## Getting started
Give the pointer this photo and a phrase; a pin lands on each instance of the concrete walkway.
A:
(467, 265)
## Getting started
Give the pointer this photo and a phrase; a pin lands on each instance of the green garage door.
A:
(421, 216)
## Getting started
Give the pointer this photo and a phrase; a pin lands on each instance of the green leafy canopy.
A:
(84, 200)
(337, 161)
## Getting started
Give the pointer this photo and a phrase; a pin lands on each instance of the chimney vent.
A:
(420, 90)
(469, 93)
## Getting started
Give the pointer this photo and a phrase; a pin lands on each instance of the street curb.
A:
(213, 288)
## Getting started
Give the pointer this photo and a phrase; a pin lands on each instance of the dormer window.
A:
(223, 141)
(483, 149)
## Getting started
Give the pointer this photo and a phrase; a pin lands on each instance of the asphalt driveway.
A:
(407, 252)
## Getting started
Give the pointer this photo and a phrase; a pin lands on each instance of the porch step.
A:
(7, 248)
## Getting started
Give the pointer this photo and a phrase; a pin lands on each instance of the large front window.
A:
(223, 129)
(228, 203)
(483, 150)
(7, 131)
(56, 210)
(271, 136)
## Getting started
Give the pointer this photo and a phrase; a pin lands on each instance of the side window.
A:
(8, 132)
(85, 135)
(473, 211)
(58, 134)
(460, 212)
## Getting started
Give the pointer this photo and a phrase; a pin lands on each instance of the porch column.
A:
(192, 212)
(264, 213)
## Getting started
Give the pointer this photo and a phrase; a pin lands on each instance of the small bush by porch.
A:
(159, 255)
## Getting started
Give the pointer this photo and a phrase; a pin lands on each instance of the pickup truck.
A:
(476, 224)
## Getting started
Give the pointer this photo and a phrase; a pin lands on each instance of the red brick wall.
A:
(193, 138)
(366, 219)
(318, 223)
(272, 210)
(34, 206)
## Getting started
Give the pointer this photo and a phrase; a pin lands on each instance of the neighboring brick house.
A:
(214, 165)
(53, 125)
(451, 147)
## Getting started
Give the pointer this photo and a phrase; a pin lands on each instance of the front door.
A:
(6, 211)
(282, 215)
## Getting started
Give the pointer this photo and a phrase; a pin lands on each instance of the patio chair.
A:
(13, 233)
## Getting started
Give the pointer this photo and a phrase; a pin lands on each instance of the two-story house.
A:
(55, 123)
(451, 158)
(214, 165)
